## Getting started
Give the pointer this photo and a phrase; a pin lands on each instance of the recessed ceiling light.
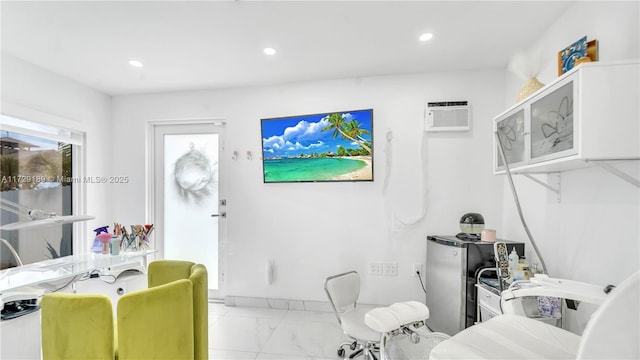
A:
(269, 51)
(135, 63)
(426, 37)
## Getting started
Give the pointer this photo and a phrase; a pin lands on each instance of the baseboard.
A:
(281, 304)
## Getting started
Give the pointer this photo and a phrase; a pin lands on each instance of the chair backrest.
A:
(200, 281)
(157, 323)
(162, 272)
(77, 326)
(343, 291)
(614, 328)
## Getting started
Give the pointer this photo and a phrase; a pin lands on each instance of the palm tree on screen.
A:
(353, 130)
(348, 130)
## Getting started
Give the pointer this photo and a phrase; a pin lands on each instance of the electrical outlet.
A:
(390, 269)
(375, 269)
(416, 268)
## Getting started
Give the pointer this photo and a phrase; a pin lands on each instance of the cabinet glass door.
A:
(552, 127)
(511, 133)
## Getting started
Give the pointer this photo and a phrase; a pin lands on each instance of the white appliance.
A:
(450, 278)
(447, 116)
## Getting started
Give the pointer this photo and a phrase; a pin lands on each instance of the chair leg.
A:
(369, 351)
(368, 354)
(357, 353)
(341, 350)
(371, 354)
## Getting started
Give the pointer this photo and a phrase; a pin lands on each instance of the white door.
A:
(188, 205)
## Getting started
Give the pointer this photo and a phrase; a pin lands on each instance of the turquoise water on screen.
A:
(320, 169)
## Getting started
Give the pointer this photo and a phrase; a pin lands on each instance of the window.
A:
(36, 172)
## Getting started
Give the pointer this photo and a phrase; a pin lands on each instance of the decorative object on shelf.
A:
(143, 232)
(568, 56)
(114, 245)
(577, 53)
(592, 50)
(97, 242)
(129, 241)
(138, 239)
(531, 86)
(527, 66)
(105, 239)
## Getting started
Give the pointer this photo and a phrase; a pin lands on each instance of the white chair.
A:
(404, 330)
(613, 332)
(343, 291)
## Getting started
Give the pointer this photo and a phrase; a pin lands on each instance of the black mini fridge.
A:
(450, 277)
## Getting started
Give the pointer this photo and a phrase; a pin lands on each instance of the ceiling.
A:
(187, 45)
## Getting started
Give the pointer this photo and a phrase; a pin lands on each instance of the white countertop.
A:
(51, 273)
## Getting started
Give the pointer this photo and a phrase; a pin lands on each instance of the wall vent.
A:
(447, 116)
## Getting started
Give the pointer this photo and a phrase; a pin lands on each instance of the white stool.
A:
(403, 318)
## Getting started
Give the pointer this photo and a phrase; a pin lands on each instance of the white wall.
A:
(35, 94)
(314, 230)
(593, 234)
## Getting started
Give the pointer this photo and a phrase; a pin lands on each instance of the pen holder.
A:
(142, 234)
(138, 239)
(130, 243)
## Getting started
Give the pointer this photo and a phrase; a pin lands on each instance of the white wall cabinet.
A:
(590, 113)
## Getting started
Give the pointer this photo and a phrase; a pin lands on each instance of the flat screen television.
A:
(334, 146)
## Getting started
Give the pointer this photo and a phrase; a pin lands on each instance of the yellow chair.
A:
(157, 323)
(163, 271)
(77, 326)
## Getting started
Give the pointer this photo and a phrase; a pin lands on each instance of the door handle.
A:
(222, 215)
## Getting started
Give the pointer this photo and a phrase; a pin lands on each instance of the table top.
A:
(56, 273)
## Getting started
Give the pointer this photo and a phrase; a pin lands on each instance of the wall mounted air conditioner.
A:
(447, 116)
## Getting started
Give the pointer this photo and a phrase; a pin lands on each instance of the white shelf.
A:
(588, 116)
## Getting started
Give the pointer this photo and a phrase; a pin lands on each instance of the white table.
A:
(20, 337)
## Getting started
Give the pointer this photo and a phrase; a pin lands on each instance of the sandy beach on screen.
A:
(364, 173)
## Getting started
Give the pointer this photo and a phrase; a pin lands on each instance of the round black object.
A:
(472, 219)
(472, 223)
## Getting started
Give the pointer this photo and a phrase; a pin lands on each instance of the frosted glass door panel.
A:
(552, 129)
(190, 199)
(511, 133)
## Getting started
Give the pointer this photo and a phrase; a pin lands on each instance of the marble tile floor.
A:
(269, 334)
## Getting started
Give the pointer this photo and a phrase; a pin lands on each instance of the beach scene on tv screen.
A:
(321, 147)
